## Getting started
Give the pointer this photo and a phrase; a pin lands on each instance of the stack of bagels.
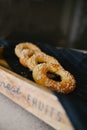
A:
(45, 68)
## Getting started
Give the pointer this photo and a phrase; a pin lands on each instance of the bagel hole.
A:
(40, 62)
(53, 76)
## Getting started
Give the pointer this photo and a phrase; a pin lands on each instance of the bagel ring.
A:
(67, 83)
(40, 58)
(25, 50)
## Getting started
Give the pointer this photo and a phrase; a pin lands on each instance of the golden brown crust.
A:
(67, 83)
(25, 50)
(38, 58)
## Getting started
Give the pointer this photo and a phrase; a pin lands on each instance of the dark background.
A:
(62, 23)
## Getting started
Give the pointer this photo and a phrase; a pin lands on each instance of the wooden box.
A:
(39, 101)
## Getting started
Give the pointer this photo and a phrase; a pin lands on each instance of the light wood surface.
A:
(35, 99)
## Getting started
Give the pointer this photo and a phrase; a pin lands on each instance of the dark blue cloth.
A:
(75, 103)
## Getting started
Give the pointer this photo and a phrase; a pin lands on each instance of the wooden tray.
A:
(37, 100)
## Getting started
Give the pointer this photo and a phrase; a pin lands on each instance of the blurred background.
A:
(61, 23)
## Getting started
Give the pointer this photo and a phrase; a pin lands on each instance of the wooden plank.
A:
(37, 100)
